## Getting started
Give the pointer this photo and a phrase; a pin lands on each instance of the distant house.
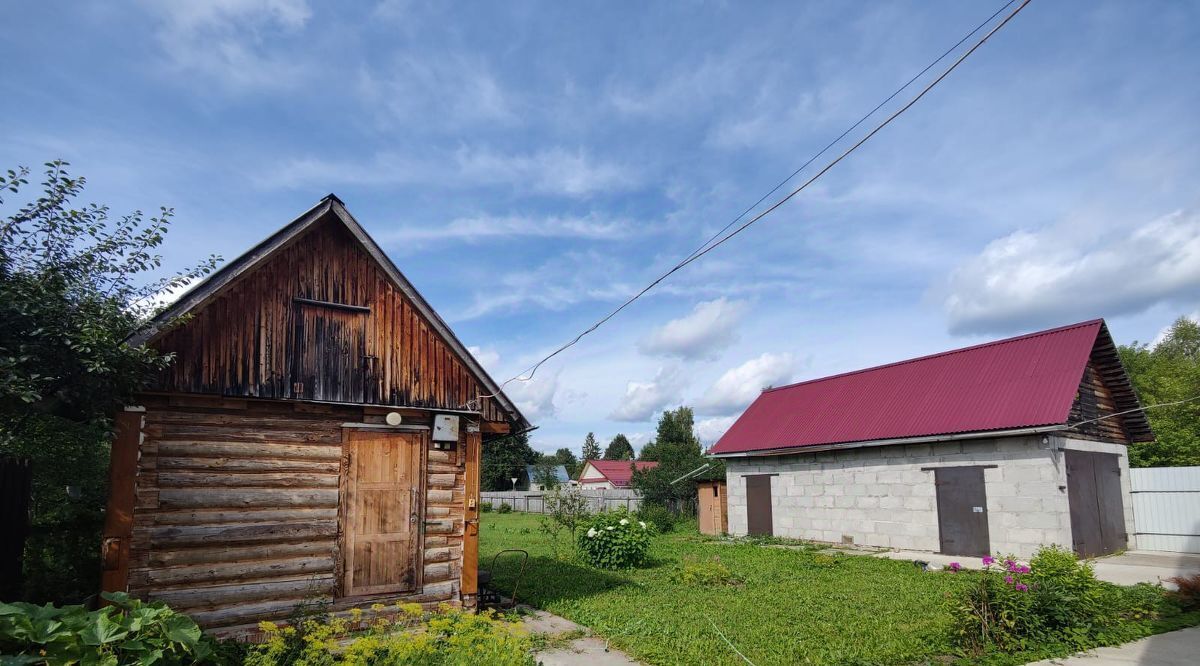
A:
(1000, 447)
(559, 471)
(610, 474)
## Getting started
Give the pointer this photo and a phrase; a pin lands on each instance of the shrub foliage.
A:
(615, 540)
(127, 632)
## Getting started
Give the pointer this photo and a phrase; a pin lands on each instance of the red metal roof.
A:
(618, 472)
(1021, 382)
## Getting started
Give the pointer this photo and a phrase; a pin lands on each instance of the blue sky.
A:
(529, 165)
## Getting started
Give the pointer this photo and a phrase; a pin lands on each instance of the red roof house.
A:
(611, 474)
(999, 447)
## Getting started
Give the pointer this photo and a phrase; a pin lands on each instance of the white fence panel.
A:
(1166, 508)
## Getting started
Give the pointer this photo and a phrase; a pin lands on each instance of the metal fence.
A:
(533, 501)
(1166, 508)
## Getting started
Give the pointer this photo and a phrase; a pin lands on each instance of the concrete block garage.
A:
(997, 448)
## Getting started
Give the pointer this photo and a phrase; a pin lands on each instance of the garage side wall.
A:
(885, 496)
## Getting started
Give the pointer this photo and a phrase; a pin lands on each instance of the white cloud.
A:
(710, 430)
(448, 90)
(488, 358)
(739, 386)
(1031, 279)
(711, 327)
(643, 399)
(535, 398)
(551, 171)
(554, 171)
(224, 40)
(560, 282)
(592, 226)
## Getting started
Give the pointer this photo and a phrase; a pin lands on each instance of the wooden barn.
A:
(316, 441)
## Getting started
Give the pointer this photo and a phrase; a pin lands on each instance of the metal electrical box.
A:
(445, 428)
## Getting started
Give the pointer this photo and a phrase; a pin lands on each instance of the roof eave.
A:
(925, 439)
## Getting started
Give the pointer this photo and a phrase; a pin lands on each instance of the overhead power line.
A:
(716, 240)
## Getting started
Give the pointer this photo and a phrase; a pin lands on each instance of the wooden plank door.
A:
(1094, 497)
(382, 501)
(962, 511)
(758, 505)
(328, 354)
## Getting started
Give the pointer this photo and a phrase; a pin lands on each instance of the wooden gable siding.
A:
(236, 512)
(256, 340)
(1094, 400)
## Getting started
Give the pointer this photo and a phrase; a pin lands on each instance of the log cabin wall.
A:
(236, 511)
(278, 333)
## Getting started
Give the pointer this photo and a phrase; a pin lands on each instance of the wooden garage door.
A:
(382, 512)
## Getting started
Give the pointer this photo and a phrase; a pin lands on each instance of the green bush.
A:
(127, 632)
(1054, 599)
(657, 515)
(704, 573)
(505, 507)
(402, 634)
(485, 507)
(615, 540)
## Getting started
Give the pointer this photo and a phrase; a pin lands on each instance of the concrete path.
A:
(1128, 568)
(1178, 648)
(576, 645)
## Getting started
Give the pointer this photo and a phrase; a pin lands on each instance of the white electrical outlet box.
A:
(445, 428)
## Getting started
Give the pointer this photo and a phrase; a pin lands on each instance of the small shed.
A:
(997, 448)
(317, 439)
(712, 508)
(559, 472)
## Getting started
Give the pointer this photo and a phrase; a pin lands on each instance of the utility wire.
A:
(711, 244)
(1138, 409)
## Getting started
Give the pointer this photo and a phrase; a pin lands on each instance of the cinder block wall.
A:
(880, 496)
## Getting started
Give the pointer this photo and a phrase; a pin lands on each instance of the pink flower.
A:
(1008, 579)
(955, 566)
(1020, 587)
(988, 560)
(1023, 569)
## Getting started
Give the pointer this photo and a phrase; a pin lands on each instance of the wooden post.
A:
(470, 565)
(118, 517)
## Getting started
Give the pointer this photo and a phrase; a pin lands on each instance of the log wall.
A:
(236, 512)
(257, 340)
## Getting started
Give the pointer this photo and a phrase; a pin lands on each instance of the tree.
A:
(591, 448)
(74, 285)
(504, 459)
(1168, 372)
(544, 474)
(675, 438)
(566, 508)
(678, 452)
(619, 449)
(567, 459)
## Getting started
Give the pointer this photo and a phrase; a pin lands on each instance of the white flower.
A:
(624, 521)
(592, 532)
(610, 528)
(642, 523)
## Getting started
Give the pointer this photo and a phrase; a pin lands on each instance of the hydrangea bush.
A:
(615, 540)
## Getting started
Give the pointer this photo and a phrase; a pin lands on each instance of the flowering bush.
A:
(1016, 605)
(402, 634)
(615, 540)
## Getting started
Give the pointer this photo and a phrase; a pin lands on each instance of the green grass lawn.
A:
(794, 607)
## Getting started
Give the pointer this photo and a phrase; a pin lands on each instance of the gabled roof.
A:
(560, 473)
(1022, 382)
(329, 207)
(617, 472)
